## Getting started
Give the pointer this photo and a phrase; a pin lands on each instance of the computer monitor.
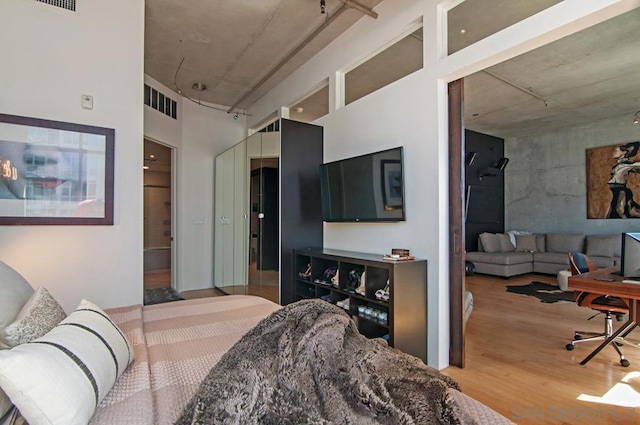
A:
(630, 261)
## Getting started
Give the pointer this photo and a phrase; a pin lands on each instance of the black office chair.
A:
(580, 263)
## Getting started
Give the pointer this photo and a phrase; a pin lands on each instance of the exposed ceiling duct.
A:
(360, 7)
(331, 18)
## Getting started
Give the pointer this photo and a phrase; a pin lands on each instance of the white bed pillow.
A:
(5, 405)
(39, 315)
(61, 377)
(14, 292)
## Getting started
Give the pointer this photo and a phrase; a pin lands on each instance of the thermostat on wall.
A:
(87, 101)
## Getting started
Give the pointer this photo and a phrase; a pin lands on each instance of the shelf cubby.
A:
(406, 309)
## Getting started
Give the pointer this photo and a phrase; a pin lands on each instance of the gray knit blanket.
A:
(308, 364)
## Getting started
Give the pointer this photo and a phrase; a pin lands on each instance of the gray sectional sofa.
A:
(540, 253)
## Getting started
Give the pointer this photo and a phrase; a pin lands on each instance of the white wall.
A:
(413, 112)
(199, 134)
(546, 180)
(205, 134)
(157, 125)
(50, 57)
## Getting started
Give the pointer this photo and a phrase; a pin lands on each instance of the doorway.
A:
(158, 224)
(540, 128)
(264, 228)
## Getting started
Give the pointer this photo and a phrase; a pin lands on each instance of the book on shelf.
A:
(392, 257)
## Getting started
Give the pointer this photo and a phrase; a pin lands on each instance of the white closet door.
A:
(240, 226)
(224, 220)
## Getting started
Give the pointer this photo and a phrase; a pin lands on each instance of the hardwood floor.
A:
(516, 361)
(267, 289)
(269, 292)
(157, 279)
(202, 293)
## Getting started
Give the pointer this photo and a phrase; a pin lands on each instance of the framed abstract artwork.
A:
(613, 181)
(54, 172)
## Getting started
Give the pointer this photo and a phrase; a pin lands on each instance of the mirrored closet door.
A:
(267, 203)
(247, 217)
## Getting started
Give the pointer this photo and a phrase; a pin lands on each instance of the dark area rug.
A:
(545, 292)
(161, 295)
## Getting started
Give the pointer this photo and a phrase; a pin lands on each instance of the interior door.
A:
(224, 264)
(268, 231)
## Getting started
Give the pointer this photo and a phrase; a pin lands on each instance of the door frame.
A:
(174, 208)
(456, 224)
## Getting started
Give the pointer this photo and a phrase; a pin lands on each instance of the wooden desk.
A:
(630, 292)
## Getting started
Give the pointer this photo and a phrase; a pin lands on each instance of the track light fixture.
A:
(494, 170)
(636, 118)
(471, 156)
(322, 6)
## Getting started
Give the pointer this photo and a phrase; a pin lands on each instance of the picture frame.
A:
(613, 181)
(391, 171)
(55, 173)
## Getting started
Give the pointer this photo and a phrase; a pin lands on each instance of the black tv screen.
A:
(363, 188)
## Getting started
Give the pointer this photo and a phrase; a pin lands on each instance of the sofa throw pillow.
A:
(512, 235)
(604, 245)
(505, 243)
(490, 242)
(61, 377)
(14, 293)
(38, 316)
(526, 243)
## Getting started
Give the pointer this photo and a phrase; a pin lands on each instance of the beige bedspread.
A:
(175, 345)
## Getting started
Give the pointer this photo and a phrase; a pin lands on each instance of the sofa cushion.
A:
(526, 243)
(551, 257)
(603, 245)
(505, 243)
(502, 258)
(495, 242)
(541, 243)
(490, 242)
(564, 243)
(604, 262)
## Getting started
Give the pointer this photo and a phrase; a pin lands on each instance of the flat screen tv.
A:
(630, 261)
(365, 188)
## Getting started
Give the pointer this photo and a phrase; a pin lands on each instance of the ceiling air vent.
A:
(64, 4)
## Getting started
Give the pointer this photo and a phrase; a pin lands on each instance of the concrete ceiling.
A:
(590, 75)
(235, 48)
(232, 45)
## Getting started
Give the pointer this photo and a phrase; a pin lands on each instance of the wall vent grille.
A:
(160, 102)
(64, 4)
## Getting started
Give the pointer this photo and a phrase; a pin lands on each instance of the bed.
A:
(175, 344)
(170, 361)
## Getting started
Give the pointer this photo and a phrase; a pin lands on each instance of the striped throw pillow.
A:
(61, 377)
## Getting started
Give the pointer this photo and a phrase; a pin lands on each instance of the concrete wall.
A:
(545, 181)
